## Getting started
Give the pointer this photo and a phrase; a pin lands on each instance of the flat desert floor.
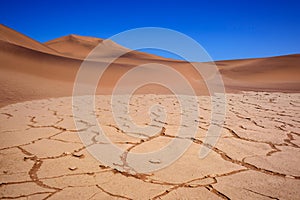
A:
(256, 157)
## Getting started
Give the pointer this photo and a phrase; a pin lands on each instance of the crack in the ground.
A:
(216, 192)
(243, 163)
(123, 157)
(33, 171)
(7, 114)
(282, 124)
(24, 196)
(111, 194)
(261, 194)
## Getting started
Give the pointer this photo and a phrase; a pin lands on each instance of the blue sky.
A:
(226, 29)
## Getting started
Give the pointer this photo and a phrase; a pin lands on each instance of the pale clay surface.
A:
(257, 155)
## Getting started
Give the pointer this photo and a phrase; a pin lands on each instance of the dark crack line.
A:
(58, 128)
(33, 175)
(166, 192)
(24, 196)
(123, 157)
(272, 145)
(15, 183)
(64, 154)
(93, 195)
(260, 194)
(75, 174)
(216, 192)
(189, 185)
(33, 171)
(111, 194)
(289, 140)
(243, 163)
(275, 149)
(8, 115)
(32, 142)
(126, 132)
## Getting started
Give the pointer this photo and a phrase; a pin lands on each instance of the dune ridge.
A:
(11, 36)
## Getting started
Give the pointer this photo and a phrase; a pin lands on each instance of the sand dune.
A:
(279, 73)
(80, 47)
(13, 37)
(34, 73)
(30, 74)
(33, 70)
(73, 45)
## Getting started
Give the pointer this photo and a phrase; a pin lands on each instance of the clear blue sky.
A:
(226, 29)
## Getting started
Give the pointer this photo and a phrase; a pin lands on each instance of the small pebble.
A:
(73, 168)
(102, 166)
(155, 161)
(78, 155)
(28, 157)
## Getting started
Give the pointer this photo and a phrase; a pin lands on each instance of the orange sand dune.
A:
(32, 70)
(80, 46)
(279, 73)
(73, 45)
(13, 37)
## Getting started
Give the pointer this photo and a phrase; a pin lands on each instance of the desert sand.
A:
(256, 157)
(43, 157)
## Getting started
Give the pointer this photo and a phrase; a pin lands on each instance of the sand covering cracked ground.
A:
(256, 157)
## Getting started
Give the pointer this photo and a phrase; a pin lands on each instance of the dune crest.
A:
(11, 36)
(74, 45)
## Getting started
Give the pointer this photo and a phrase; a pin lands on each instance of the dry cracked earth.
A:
(256, 156)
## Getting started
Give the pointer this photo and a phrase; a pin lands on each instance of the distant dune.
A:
(73, 45)
(32, 70)
(279, 73)
(80, 46)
